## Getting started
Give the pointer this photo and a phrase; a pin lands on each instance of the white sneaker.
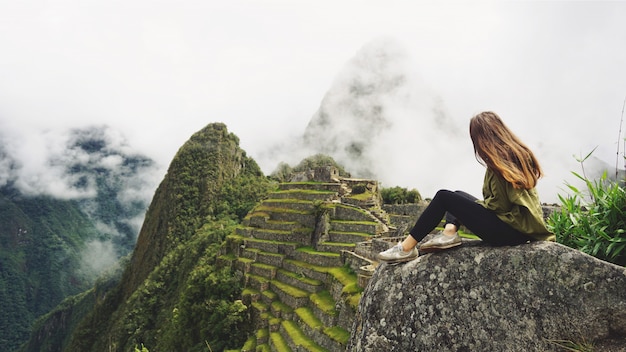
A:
(396, 254)
(441, 241)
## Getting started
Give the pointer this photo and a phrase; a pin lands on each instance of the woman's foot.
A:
(396, 254)
(441, 241)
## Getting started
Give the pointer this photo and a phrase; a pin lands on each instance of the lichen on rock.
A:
(483, 298)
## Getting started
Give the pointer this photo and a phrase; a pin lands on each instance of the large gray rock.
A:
(482, 298)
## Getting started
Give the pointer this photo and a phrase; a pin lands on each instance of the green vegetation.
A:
(597, 227)
(593, 221)
(250, 344)
(280, 306)
(279, 342)
(312, 251)
(284, 210)
(399, 195)
(338, 334)
(300, 339)
(290, 290)
(182, 291)
(309, 318)
(304, 279)
(40, 260)
(324, 301)
(173, 297)
(343, 274)
(363, 195)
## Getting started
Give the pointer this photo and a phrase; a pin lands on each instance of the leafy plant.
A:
(595, 226)
(399, 195)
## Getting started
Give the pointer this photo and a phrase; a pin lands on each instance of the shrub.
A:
(399, 195)
(596, 227)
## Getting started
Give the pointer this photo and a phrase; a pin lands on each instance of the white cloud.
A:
(160, 71)
(96, 257)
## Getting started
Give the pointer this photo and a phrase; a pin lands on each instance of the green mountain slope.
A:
(40, 241)
(52, 248)
(171, 296)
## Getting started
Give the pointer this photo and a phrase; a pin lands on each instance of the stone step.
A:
(323, 306)
(260, 314)
(300, 235)
(297, 339)
(244, 231)
(262, 336)
(249, 345)
(331, 338)
(310, 195)
(256, 282)
(286, 248)
(281, 310)
(360, 265)
(277, 343)
(251, 253)
(348, 237)
(299, 281)
(325, 259)
(264, 270)
(335, 247)
(398, 220)
(306, 219)
(227, 260)
(270, 258)
(355, 226)
(264, 222)
(265, 347)
(260, 308)
(352, 213)
(290, 295)
(315, 186)
(274, 323)
(250, 295)
(268, 296)
(341, 278)
(243, 264)
(413, 210)
(293, 204)
(339, 337)
(358, 202)
(306, 269)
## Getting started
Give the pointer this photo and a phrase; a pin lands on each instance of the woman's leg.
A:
(463, 209)
(451, 219)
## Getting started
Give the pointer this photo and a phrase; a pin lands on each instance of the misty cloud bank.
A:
(95, 166)
(381, 120)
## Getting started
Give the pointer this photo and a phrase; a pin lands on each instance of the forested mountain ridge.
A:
(58, 235)
(170, 295)
(40, 240)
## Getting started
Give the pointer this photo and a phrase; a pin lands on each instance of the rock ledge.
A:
(482, 298)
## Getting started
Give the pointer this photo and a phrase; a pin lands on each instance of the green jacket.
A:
(519, 208)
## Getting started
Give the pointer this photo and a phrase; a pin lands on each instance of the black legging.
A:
(461, 208)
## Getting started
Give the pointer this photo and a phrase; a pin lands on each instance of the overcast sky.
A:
(161, 70)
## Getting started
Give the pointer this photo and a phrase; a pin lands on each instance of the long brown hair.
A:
(496, 147)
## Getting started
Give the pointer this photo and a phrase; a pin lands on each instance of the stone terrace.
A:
(296, 250)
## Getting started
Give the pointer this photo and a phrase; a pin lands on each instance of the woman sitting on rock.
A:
(509, 214)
